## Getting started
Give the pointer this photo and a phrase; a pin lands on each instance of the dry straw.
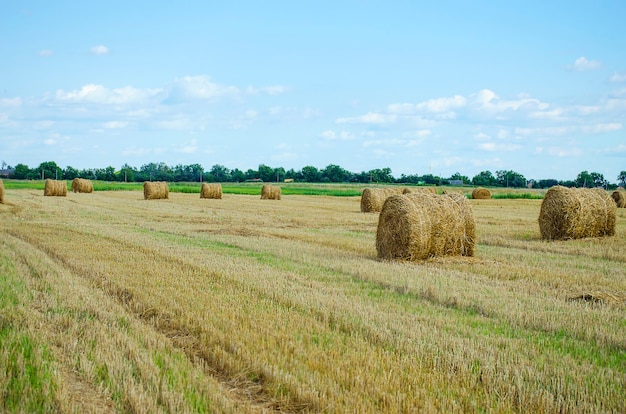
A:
(1, 192)
(55, 188)
(619, 196)
(211, 191)
(432, 190)
(481, 193)
(82, 185)
(270, 192)
(418, 226)
(372, 199)
(575, 213)
(155, 190)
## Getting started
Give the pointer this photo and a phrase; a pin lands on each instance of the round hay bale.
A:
(82, 185)
(372, 199)
(619, 196)
(155, 190)
(211, 191)
(270, 192)
(432, 190)
(418, 226)
(575, 213)
(1, 192)
(481, 193)
(56, 188)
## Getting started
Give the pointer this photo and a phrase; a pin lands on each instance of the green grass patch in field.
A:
(527, 196)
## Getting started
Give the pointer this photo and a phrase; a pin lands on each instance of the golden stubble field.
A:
(250, 305)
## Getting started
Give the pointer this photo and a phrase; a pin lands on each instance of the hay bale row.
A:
(481, 193)
(575, 213)
(56, 188)
(418, 226)
(155, 190)
(619, 196)
(270, 192)
(82, 185)
(372, 199)
(211, 191)
(1, 192)
(432, 190)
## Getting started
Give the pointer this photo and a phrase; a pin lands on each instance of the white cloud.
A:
(369, 118)
(45, 53)
(618, 77)
(583, 64)
(486, 100)
(10, 102)
(505, 147)
(115, 124)
(189, 148)
(98, 94)
(199, 88)
(331, 135)
(99, 50)
(602, 128)
(562, 152)
(269, 90)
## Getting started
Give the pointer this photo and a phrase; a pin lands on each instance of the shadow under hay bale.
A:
(55, 188)
(270, 192)
(619, 196)
(213, 191)
(155, 190)
(575, 213)
(481, 193)
(1, 192)
(372, 199)
(418, 226)
(82, 185)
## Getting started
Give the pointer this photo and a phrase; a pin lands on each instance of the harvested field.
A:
(248, 306)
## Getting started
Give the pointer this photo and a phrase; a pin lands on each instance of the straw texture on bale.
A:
(432, 190)
(418, 226)
(619, 196)
(155, 190)
(270, 192)
(575, 213)
(1, 192)
(55, 188)
(82, 185)
(481, 193)
(211, 191)
(372, 199)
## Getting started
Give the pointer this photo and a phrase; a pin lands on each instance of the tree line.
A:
(330, 174)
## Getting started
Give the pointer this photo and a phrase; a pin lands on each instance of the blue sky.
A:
(420, 87)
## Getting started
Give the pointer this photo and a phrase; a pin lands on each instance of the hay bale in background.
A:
(417, 226)
(481, 193)
(1, 192)
(211, 191)
(155, 190)
(55, 188)
(270, 192)
(82, 185)
(619, 196)
(432, 190)
(372, 199)
(575, 213)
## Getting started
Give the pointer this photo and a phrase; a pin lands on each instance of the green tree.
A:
(310, 174)
(127, 173)
(484, 179)
(458, 176)
(380, 175)
(621, 178)
(598, 180)
(22, 172)
(584, 179)
(334, 174)
(510, 178)
(220, 173)
(50, 169)
(70, 173)
(266, 173)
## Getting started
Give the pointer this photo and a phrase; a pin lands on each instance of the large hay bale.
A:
(372, 199)
(432, 190)
(481, 193)
(211, 191)
(619, 196)
(418, 226)
(82, 185)
(155, 190)
(55, 188)
(575, 213)
(270, 192)
(1, 192)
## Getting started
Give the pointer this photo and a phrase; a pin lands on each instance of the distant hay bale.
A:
(372, 199)
(619, 196)
(55, 188)
(432, 190)
(155, 190)
(1, 192)
(481, 193)
(82, 185)
(575, 213)
(418, 226)
(270, 192)
(211, 191)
